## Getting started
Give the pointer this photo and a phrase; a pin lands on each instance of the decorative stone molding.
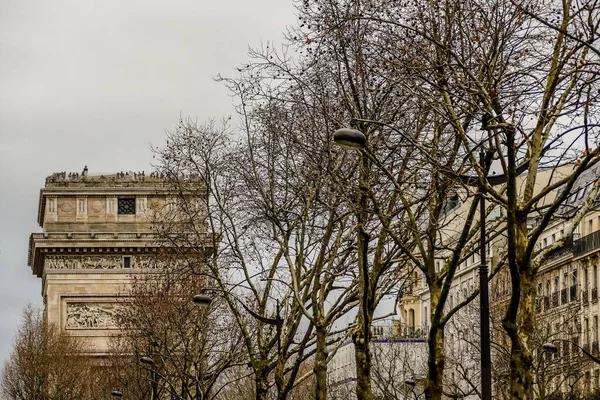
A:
(107, 262)
(88, 315)
(66, 206)
(83, 262)
(120, 179)
(51, 209)
(97, 206)
(141, 206)
(81, 209)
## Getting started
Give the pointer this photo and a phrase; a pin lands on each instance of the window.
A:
(595, 276)
(590, 226)
(595, 328)
(553, 238)
(586, 324)
(127, 262)
(126, 205)
(585, 279)
(545, 242)
(411, 319)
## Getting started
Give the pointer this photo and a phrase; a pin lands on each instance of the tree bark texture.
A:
(320, 367)
(436, 359)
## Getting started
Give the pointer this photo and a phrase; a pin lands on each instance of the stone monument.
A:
(97, 234)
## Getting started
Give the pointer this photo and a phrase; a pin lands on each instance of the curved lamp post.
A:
(147, 360)
(552, 348)
(204, 300)
(354, 139)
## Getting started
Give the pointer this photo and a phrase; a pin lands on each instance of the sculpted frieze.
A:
(92, 315)
(83, 262)
(107, 262)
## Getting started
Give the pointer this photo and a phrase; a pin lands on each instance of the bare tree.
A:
(171, 346)
(48, 364)
(518, 79)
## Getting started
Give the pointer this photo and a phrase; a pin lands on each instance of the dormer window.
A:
(126, 205)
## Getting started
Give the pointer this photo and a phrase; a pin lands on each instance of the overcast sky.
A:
(94, 82)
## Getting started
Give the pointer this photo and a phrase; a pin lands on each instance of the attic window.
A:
(126, 205)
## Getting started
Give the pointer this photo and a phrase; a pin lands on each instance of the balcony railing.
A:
(586, 243)
(412, 332)
(584, 296)
(594, 294)
(573, 292)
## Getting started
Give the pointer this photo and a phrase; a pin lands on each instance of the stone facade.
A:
(97, 234)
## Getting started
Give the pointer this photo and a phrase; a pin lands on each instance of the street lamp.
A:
(202, 300)
(411, 384)
(552, 348)
(352, 139)
(356, 140)
(150, 362)
(116, 394)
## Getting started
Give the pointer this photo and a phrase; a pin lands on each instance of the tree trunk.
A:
(520, 316)
(436, 359)
(320, 367)
(521, 362)
(363, 363)
(262, 388)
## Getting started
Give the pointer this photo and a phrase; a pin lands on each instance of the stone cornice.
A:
(79, 243)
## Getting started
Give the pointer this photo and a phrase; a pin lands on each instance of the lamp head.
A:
(550, 347)
(116, 394)
(147, 360)
(350, 139)
(202, 300)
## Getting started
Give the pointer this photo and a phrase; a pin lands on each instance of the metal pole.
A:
(278, 326)
(484, 301)
(153, 377)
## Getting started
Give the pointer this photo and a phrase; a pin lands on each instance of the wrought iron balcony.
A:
(586, 243)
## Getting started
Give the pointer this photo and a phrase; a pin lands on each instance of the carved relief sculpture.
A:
(83, 262)
(62, 262)
(91, 315)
